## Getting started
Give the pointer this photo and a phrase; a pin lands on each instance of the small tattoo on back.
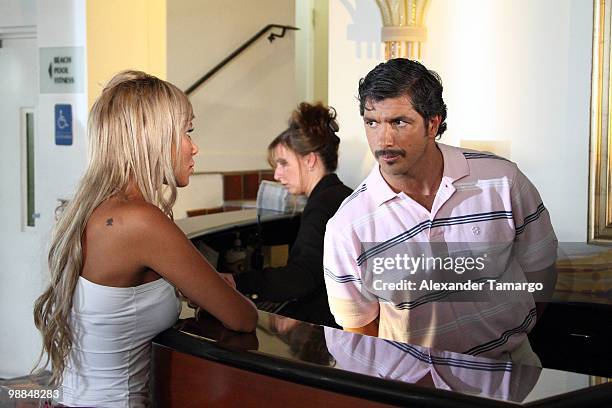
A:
(109, 222)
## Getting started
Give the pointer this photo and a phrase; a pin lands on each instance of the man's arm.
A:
(548, 278)
(352, 306)
(535, 239)
(370, 329)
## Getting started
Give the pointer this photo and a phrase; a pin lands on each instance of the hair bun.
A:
(318, 120)
(312, 129)
(332, 124)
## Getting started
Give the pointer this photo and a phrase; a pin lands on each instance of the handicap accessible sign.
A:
(63, 124)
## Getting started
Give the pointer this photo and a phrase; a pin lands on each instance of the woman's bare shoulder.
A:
(127, 217)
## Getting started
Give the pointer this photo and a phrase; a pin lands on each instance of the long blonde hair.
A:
(134, 131)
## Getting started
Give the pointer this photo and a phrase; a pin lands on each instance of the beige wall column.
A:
(124, 35)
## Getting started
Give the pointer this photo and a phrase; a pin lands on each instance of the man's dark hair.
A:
(404, 77)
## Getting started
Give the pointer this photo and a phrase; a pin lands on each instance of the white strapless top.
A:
(113, 328)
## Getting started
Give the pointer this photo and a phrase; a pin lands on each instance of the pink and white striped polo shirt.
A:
(448, 370)
(483, 200)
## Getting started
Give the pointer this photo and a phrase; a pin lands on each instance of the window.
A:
(28, 167)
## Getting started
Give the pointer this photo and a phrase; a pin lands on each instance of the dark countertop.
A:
(381, 370)
(195, 227)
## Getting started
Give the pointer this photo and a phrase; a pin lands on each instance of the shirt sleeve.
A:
(350, 302)
(535, 240)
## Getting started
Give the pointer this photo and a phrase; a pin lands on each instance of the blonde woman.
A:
(116, 256)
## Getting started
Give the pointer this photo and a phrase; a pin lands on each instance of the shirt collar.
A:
(328, 180)
(455, 168)
(455, 163)
(378, 188)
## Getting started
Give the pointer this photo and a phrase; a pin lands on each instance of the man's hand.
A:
(370, 329)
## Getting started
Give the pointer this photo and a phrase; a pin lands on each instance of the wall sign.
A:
(63, 124)
(62, 70)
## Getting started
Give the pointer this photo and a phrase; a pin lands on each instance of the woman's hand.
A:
(229, 279)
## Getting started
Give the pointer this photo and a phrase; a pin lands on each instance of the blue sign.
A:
(63, 124)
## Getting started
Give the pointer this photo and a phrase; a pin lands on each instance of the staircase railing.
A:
(239, 50)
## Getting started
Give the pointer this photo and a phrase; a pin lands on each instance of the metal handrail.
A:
(238, 50)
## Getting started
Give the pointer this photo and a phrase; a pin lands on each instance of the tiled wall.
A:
(237, 186)
(244, 185)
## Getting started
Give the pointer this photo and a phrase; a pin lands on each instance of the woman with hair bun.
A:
(304, 158)
(116, 256)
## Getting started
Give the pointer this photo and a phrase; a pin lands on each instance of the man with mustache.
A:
(421, 191)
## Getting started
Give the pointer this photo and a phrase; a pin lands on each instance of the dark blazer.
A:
(302, 278)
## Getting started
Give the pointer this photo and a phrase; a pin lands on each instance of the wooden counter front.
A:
(182, 380)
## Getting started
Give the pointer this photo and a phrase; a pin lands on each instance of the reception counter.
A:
(286, 362)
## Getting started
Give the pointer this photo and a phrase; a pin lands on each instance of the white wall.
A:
(203, 191)
(520, 71)
(19, 277)
(311, 50)
(304, 50)
(516, 70)
(15, 13)
(242, 108)
(23, 272)
(354, 49)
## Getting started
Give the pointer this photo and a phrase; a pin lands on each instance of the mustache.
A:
(389, 152)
